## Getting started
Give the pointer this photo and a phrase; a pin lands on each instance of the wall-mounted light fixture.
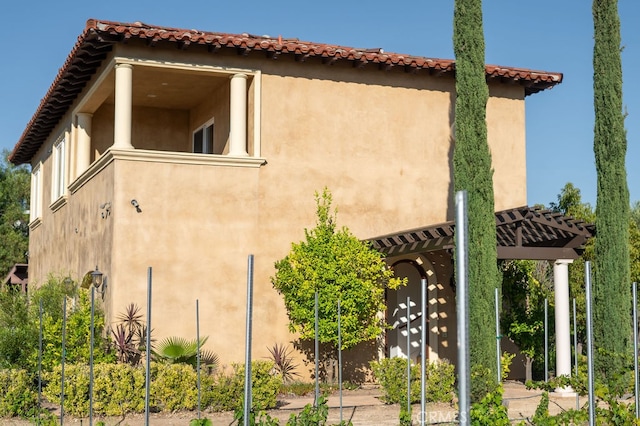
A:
(98, 281)
(135, 204)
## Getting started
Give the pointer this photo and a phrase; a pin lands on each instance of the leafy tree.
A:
(14, 201)
(473, 173)
(634, 242)
(338, 266)
(634, 251)
(19, 324)
(570, 204)
(612, 325)
(78, 323)
(18, 332)
(526, 283)
(635, 213)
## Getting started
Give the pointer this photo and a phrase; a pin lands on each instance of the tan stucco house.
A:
(186, 151)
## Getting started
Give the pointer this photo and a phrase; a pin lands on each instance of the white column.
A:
(122, 116)
(563, 321)
(83, 142)
(238, 116)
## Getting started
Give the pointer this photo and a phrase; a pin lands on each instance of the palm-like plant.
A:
(174, 350)
(127, 351)
(130, 334)
(283, 362)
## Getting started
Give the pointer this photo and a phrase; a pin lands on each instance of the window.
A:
(59, 169)
(203, 139)
(35, 209)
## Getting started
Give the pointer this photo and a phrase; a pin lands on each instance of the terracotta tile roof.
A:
(99, 37)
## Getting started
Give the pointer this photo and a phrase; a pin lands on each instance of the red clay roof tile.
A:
(98, 38)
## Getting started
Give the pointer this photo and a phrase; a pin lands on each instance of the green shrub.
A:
(18, 332)
(391, 373)
(505, 364)
(77, 335)
(441, 380)
(311, 415)
(227, 391)
(481, 379)
(201, 422)
(490, 410)
(118, 389)
(297, 388)
(16, 396)
(76, 388)
(173, 387)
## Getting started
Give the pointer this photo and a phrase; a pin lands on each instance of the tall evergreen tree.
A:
(473, 173)
(14, 222)
(612, 325)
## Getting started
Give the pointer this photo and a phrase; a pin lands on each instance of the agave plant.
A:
(174, 350)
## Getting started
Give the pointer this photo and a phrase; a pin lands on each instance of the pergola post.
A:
(562, 321)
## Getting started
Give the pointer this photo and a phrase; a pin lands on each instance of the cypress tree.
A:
(612, 321)
(473, 173)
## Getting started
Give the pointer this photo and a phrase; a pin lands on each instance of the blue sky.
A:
(40, 34)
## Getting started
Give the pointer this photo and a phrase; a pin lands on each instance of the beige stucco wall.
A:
(380, 141)
(74, 239)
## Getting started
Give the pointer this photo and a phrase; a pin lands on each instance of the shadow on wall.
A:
(355, 361)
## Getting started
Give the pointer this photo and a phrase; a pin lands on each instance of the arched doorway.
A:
(414, 269)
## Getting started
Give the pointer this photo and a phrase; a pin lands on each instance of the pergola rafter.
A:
(521, 233)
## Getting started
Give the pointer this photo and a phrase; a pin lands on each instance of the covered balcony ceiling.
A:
(158, 87)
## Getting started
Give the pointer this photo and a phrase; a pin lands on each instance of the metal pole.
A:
(592, 399)
(462, 302)
(546, 340)
(247, 354)
(635, 345)
(575, 349)
(409, 355)
(92, 328)
(423, 351)
(148, 349)
(317, 352)
(40, 362)
(198, 353)
(64, 352)
(498, 349)
(340, 360)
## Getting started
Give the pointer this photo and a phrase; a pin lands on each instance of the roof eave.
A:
(98, 38)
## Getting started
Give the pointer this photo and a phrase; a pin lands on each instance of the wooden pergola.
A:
(522, 233)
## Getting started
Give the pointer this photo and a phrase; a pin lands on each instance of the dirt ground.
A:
(361, 406)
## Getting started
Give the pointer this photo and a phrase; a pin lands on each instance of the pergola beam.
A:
(521, 233)
(536, 253)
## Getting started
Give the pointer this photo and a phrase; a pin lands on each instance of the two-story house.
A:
(186, 151)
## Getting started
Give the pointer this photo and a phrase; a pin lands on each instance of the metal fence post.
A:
(462, 302)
